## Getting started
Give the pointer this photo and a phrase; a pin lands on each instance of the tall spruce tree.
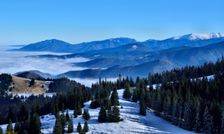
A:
(79, 109)
(189, 116)
(35, 124)
(135, 95)
(114, 115)
(102, 117)
(67, 116)
(85, 127)
(127, 92)
(207, 123)
(70, 126)
(1, 131)
(75, 114)
(79, 128)
(17, 127)
(199, 117)
(58, 129)
(63, 121)
(85, 114)
(114, 98)
(142, 107)
(9, 129)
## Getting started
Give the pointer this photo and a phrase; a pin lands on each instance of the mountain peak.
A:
(52, 41)
(199, 36)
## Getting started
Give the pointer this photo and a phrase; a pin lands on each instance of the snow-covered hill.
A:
(133, 123)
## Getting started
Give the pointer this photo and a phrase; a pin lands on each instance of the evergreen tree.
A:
(23, 113)
(79, 128)
(207, 123)
(114, 98)
(17, 127)
(189, 116)
(127, 93)
(216, 118)
(58, 127)
(35, 124)
(135, 96)
(11, 115)
(199, 117)
(67, 116)
(63, 121)
(32, 82)
(102, 115)
(9, 129)
(1, 131)
(114, 116)
(85, 114)
(142, 107)
(75, 113)
(85, 128)
(222, 125)
(79, 109)
(70, 126)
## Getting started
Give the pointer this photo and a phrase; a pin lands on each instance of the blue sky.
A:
(25, 21)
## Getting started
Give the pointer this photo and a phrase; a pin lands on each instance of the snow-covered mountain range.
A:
(111, 57)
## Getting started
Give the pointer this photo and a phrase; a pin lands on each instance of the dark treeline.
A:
(106, 97)
(5, 82)
(185, 97)
(26, 111)
(188, 72)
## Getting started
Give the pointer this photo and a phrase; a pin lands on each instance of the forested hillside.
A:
(191, 98)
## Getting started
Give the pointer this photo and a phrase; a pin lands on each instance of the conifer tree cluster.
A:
(28, 125)
(86, 115)
(83, 130)
(109, 111)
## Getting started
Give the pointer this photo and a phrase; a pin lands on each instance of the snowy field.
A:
(132, 123)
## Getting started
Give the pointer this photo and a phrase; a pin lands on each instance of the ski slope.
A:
(133, 123)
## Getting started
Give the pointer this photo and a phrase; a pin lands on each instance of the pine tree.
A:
(75, 113)
(189, 116)
(114, 115)
(79, 109)
(85, 128)
(17, 127)
(102, 115)
(67, 116)
(35, 124)
(114, 98)
(142, 107)
(207, 123)
(70, 126)
(79, 128)
(32, 82)
(9, 129)
(135, 96)
(23, 113)
(199, 118)
(127, 93)
(1, 131)
(85, 114)
(63, 121)
(222, 125)
(58, 127)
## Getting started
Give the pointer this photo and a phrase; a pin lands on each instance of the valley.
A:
(53, 80)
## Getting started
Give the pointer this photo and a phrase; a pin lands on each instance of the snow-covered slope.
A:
(199, 36)
(133, 123)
